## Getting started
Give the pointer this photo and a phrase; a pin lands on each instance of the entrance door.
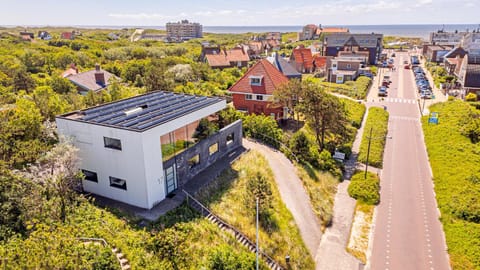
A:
(170, 179)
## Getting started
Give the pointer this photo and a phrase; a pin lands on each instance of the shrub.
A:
(466, 204)
(365, 190)
(471, 97)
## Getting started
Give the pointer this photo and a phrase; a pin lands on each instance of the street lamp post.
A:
(368, 151)
(257, 231)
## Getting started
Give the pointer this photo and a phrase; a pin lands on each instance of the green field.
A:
(455, 163)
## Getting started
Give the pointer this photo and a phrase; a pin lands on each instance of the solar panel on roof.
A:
(157, 107)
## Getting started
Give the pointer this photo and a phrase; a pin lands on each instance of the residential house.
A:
(31, 35)
(67, 35)
(302, 60)
(44, 35)
(142, 149)
(309, 32)
(435, 53)
(452, 58)
(342, 69)
(92, 80)
(330, 30)
(320, 63)
(469, 75)
(471, 42)
(274, 36)
(444, 38)
(371, 43)
(253, 93)
(217, 58)
(284, 66)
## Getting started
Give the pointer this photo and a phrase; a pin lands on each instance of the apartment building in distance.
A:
(183, 30)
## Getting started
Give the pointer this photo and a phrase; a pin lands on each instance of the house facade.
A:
(469, 75)
(371, 43)
(436, 53)
(253, 93)
(139, 150)
(341, 70)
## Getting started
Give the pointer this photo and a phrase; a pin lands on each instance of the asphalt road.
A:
(407, 232)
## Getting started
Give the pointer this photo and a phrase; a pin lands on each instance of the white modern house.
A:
(121, 144)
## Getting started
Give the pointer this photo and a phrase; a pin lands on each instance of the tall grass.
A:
(377, 121)
(228, 197)
(321, 188)
(455, 163)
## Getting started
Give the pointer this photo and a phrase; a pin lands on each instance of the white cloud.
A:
(140, 16)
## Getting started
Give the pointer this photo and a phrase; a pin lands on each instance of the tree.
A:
(58, 172)
(61, 85)
(323, 112)
(49, 102)
(288, 95)
(156, 78)
(22, 80)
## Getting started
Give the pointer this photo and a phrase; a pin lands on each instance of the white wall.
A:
(139, 162)
(127, 164)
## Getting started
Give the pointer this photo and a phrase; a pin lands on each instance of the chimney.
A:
(99, 75)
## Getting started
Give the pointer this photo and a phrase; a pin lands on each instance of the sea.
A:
(400, 30)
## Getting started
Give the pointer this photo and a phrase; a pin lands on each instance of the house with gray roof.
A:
(92, 80)
(284, 66)
(142, 149)
(371, 43)
(469, 75)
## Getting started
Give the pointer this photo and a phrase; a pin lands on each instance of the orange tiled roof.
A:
(237, 55)
(303, 55)
(271, 79)
(335, 30)
(217, 60)
(320, 61)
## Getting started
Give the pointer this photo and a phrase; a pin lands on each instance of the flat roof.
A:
(142, 112)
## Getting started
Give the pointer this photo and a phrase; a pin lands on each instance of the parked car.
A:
(393, 54)
(382, 91)
(407, 66)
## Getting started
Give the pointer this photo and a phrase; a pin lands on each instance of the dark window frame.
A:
(90, 176)
(118, 185)
(112, 143)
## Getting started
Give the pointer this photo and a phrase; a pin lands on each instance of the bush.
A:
(466, 204)
(365, 190)
(471, 97)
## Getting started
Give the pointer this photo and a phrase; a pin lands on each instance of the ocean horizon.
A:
(401, 30)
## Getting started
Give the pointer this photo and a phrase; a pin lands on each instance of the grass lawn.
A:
(321, 188)
(377, 121)
(230, 199)
(355, 89)
(455, 163)
(360, 232)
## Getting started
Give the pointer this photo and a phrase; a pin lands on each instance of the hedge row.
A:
(377, 122)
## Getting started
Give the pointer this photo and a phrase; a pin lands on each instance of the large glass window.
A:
(112, 143)
(118, 183)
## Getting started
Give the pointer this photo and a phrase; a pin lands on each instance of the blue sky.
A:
(238, 12)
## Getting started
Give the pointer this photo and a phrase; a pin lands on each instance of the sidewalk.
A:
(332, 254)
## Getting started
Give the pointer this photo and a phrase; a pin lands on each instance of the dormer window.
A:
(256, 80)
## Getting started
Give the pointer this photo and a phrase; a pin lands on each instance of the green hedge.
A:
(377, 121)
(365, 190)
(456, 172)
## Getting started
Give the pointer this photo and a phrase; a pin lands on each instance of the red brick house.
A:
(253, 93)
